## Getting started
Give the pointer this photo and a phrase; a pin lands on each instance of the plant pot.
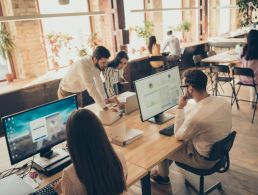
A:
(9, 77)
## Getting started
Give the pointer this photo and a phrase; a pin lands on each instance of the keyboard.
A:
(47, 190)
(168, 131)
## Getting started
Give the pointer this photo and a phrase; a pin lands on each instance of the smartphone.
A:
(168, 131)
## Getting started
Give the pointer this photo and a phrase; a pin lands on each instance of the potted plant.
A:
(93, 40)
(184, 28)
(6, 46)
(248, 11)
(56, 41)
(145, 31)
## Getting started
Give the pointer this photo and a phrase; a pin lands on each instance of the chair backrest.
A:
(211, 53)
(243, 72)
(222, 147)
(197, 60)
(156, 58)
(220, 68)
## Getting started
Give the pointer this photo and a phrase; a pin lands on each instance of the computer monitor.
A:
(158, 93)
(38, 129)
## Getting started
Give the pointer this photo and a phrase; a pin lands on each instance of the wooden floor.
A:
(241, 178)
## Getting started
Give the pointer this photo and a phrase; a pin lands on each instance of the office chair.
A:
(157, 59)
(222, 75)
(246, 72)
(219, 151)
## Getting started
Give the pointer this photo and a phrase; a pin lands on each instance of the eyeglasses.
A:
(184, 86)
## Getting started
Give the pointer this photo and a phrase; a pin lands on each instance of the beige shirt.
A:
(71, 184)
(84, 75)
(206, 123)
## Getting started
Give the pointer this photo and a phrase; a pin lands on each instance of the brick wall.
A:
(102, 22)
(29, 54)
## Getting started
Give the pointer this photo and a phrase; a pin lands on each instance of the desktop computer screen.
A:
(37, 129)
(158, 92)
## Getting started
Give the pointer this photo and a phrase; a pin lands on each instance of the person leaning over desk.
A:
(83, 75)
(206, 123)
(114, 75)
(97, 169)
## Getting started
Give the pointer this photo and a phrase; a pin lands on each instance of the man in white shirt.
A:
(84, 74)
(208, 122)
(174, 46)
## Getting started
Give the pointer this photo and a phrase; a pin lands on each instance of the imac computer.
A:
(37, 130)
(158, 93)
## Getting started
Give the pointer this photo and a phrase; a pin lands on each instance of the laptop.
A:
(122, 135)
(14, 185)
(130, 100)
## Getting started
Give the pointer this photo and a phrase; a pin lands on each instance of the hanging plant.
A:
(248, 11)
(57, 41)
(145, 31)
(6, 43)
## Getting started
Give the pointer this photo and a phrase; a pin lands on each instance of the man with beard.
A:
(83, 75)
(208, 122)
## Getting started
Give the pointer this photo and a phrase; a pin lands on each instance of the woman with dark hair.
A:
(97, 169)
(154, 50)
(114, 73)
(249, 59)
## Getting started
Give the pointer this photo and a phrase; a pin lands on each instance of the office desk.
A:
(226, 42)
(149, 150)
(135, 173)
(141, 155)
(224, 57)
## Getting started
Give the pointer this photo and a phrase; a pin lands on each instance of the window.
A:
(64, 37)
(224, 19)
(3, 68)
(172, 18)
(132, 20)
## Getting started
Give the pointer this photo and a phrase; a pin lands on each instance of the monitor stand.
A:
(161, 118)
(50, 162)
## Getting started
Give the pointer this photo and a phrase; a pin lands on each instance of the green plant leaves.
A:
(6, 43)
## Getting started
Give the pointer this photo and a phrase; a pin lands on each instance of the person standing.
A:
(83, 75)
(174, 46)
(249, 59)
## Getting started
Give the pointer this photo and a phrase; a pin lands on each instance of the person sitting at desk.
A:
(85, 75)
(154, 50)
(249, 59)
(114, 73)
(174, 47)
(96, 168)
(208, 122)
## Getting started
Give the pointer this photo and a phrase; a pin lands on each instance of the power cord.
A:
(17, 170)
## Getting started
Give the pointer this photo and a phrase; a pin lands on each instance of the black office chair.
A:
(222, 75)
(157, 59)
(247, 72)
(219, 151)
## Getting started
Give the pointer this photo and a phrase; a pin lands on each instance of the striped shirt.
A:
(112, 76)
